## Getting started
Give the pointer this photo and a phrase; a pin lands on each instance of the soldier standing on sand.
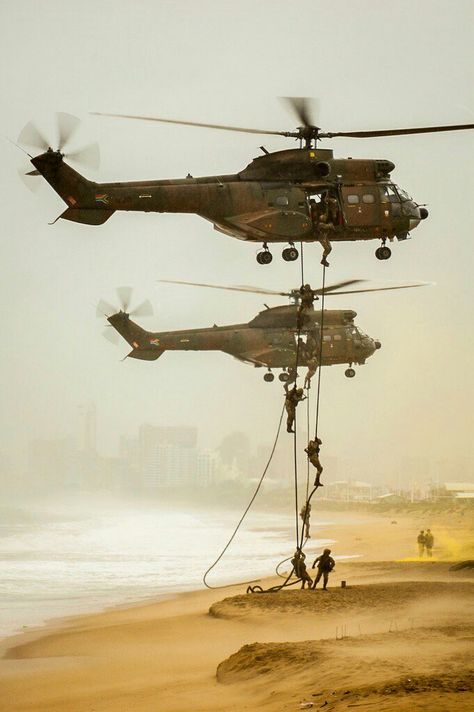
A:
(292, 398)
(429, 541)
(299, 566)
(325, 564)
(421, 541)
(312, 451)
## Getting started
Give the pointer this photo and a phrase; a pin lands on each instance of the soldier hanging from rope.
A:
(299, 566)
(292, 376)
(312, 451)
(328, 218)
(312, 368)
(306, 297)
(305, 514)
(292, 398)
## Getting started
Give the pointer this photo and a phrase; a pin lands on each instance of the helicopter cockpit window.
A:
(281, 200)
(352, 199)
(403, 194)
(368, 198)
(388, 194)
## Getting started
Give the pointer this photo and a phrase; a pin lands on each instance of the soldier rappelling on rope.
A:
(299, 566)
(312, 364)
(312, 451)
(307, 297)
(305, 514)
(292, 398)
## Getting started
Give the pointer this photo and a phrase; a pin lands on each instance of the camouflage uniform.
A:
(299, 566)
(312, 368)
(312, 450)
(325, 564)
(292, 399)
(305, 515)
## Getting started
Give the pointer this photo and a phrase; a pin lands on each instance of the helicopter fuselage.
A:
(279, 197)
(270, 339)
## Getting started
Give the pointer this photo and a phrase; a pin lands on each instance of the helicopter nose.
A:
(377, 345)
(423, 213)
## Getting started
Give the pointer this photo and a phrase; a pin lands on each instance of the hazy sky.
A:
(372, 65)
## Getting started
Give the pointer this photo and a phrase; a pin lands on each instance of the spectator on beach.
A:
(325, 564)
(421, 540)
(429, 542)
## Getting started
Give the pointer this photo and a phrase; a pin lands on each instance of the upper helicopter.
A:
(296, 195)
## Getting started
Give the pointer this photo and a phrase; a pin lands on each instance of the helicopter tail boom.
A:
(85, 202)
(144, 346)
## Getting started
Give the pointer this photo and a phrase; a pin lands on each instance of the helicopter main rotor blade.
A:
(195, 123)
(379, 289)
(301, 107)
(338, 285)
(396, 132)
(242, 288)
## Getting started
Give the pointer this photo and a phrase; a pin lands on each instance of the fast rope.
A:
(257, 489)
(299, 540)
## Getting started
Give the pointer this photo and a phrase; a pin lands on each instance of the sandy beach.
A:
(398, 637)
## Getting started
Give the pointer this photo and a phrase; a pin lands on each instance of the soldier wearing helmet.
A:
(292, 398)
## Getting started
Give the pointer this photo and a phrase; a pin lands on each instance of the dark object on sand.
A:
(469, 564)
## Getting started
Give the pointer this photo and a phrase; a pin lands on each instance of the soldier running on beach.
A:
(325, 564)
(292, 398)
(313, 449)
(299, 566)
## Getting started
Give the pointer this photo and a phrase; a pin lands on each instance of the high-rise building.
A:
(167, 456)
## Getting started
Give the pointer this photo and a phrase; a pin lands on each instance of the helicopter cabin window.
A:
(281, 200)
(352, 199)
(327, 338)
(368, 198)
(337, 337)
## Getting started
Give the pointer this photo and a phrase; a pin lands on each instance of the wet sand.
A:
(399, 637)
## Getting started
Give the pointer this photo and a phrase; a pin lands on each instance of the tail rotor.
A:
(65, 144)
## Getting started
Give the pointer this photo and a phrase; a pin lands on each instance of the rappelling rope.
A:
(318, 397)
(299, 541)
(260, 482)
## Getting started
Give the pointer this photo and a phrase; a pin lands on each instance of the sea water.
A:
(59, 561)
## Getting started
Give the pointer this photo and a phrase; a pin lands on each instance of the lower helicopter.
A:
(279, 338)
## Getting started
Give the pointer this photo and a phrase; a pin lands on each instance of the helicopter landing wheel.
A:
(283, 376)
(383, 253)
(290, 254)
(264, 257)
(349, 372)
(269, 377)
